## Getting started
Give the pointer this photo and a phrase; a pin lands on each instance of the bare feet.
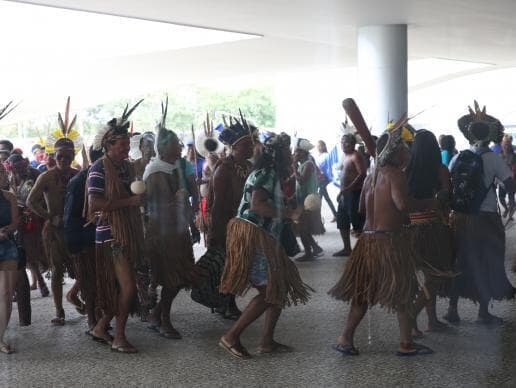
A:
(33, 286)
(74, 300)
(306, 257)
(274, 347)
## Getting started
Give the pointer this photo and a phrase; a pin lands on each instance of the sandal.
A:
(6, 349)
(105, 339)
(127, 348)
(236, 350)
(170, 333)
(346, 350)
(419, 350)
(58, 321)
(276, 348)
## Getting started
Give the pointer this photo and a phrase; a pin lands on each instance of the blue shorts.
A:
(8, 250)
(259, 271)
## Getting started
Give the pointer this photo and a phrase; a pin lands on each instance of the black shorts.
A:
(347, 211)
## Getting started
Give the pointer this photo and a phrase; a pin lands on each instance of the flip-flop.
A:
(128, 349)
(236, 350)
(170, 334)
(106, 339)
(346, 350)
(58, 321)
(153, 327)
(6, 349)
(277, 348)
(419, 350)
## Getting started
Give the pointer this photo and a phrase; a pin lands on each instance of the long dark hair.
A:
(424, 166)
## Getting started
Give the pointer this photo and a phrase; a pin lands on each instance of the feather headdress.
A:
(7, 109)
(397, 134)
(237, 129)
(208, 142)
(478, 115)
(164, 135)
(114, 128)
(65, 131)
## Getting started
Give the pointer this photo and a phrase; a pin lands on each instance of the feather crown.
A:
(114, 128)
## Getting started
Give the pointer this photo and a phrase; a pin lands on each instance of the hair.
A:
(381, 142)
(424, 166)
(147, 136)
(447, 143)
(278, 162)
(7, 144)
(480, 131)
(95, 154)
(323, 145)
(349, 138)
(64, 142)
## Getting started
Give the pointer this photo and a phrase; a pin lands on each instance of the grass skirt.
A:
(171, 258)
(107, 254)
(432, 241)
(85, 269)
(381, 270)
(311, 222)
(244, 241)
(55, 249)
(480, 244)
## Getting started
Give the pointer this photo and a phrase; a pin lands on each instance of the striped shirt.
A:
(96, 186)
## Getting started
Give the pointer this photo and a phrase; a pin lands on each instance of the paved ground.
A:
(468, 355)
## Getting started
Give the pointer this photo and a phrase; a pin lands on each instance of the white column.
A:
(382, 73)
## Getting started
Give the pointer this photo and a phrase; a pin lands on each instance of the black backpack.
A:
(467, 178)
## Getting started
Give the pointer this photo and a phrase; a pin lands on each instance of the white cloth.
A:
(158, 165)
(494, 168)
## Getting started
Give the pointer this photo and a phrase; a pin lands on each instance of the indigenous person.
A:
(6, 147)
(80, 239)
(225, 192)
(119, 234)
(306, 183)
(255, 257)
(8, 257)
(479, 232)
(381, 269)
(22, 178)
(428, 231)
(147, 149)
(326, 176)
(510, 160)
(352, 178)
(50, 187)
(168, 241)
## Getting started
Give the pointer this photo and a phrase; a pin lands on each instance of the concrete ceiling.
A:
(297, 35)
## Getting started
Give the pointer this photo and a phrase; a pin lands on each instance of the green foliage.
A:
(187, 105)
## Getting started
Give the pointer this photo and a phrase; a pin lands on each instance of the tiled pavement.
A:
(468, 355)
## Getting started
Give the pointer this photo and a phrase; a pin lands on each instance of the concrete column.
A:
(382, 73)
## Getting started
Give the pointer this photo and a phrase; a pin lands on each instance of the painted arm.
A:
(35, 199)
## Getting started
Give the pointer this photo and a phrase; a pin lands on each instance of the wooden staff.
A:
(354, 114)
